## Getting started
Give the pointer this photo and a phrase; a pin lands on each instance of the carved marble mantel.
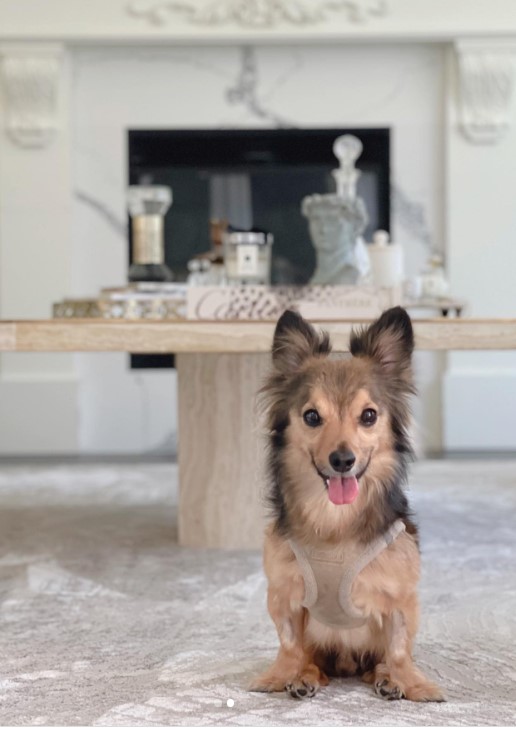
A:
(254, 21)
(33, 36)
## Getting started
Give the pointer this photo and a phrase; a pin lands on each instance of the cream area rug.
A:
(104, 620)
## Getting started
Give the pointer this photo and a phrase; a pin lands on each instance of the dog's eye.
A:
(312, 418)
(368, 417)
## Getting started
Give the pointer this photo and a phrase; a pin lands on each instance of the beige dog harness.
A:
(329, 576)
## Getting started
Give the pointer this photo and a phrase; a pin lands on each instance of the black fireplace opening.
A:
(252, 178)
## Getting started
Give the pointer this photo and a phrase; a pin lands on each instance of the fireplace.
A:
(251, 178)
(254, 178)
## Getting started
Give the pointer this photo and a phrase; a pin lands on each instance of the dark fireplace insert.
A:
(254, 177)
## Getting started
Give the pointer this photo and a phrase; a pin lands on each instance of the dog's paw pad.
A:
(386, 691)
(300, 690)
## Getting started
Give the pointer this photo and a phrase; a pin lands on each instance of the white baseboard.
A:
(479, 410)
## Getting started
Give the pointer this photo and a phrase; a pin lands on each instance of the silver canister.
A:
(247, 257)
(147, 207)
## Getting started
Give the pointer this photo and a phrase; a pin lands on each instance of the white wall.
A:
(480, 387)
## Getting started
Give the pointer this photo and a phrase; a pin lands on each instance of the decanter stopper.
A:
(347, 149)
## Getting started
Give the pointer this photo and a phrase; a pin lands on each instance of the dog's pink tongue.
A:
(342, 490)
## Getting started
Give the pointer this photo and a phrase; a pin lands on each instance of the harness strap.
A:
(369, 553)
(329, 575)
(310, 597)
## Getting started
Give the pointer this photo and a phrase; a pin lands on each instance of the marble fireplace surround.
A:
(75, 75)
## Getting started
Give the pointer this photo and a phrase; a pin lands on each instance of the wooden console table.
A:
(220, 366)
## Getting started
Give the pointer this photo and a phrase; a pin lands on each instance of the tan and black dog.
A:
(341, 555)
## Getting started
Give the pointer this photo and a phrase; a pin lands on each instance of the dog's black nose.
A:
(342, 460)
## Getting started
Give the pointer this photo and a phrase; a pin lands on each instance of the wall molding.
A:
(254, 13)
(486, 88)
(30, 78)
(76, 22)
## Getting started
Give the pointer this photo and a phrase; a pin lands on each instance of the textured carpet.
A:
(105, 621)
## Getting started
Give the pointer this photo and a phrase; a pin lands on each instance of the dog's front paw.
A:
(420, 691)
(307, 683)
(301, 689)
(425, 691)
(299, 684)
(387, 690)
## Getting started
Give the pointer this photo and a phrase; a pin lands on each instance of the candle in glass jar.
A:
(247, 257)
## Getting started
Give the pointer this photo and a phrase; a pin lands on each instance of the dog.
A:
(341, 554)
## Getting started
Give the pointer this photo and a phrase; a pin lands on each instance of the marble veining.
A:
(245, 90)
(102, 209)
(411, 215)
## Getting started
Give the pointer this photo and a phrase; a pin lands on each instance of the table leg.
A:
(221, 450)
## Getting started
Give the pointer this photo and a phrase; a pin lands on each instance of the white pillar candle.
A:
(386, 261)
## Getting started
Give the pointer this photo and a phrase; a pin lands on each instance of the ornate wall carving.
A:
(486, 78)
(254, 13)
(30, 78)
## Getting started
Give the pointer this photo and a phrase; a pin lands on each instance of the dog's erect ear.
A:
(295, 340)
(389, 341)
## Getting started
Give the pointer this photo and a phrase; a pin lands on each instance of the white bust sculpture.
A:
(337, 220)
